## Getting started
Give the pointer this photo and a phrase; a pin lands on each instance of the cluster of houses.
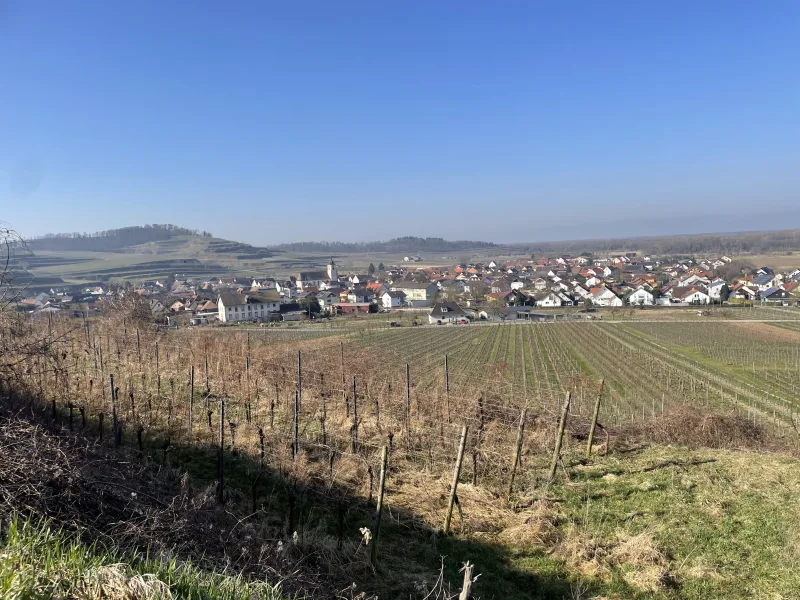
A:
(497, 288)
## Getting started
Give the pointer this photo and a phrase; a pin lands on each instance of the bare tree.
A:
(12, 282)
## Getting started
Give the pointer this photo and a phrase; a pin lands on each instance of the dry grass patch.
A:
(642, 563)
(537, 526)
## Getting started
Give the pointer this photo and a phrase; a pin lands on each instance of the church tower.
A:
(333, 273)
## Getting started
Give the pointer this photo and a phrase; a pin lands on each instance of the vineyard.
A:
(294, 424)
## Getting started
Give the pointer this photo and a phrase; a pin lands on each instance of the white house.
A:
(689, 295)
(640, 297)
(605, 297)
(580, 291)
(247, 307)
(393, 299)
(359, 295)
(326, 299)
(446, 312)
(548, 300)
(718, 289)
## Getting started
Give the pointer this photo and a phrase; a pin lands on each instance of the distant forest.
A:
(705, 243)
(111, 239)
(410, 245)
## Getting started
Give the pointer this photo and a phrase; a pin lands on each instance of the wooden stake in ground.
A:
(456, 473)
(299, 380)
(560, 436)
(376, 527)
(354, 435)
(408, 402)
(220, 452)
(114, 412)
(296, 444)
(447, 386)
(593, 426)
(517, 450)
(191, 399)
(466, 588)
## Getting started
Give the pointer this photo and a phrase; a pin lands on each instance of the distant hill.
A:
(396, 245)
(110, 240)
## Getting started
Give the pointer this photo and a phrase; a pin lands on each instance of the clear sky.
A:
(498, 120)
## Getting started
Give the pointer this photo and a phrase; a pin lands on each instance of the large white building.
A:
(417, 294)
(247, 307)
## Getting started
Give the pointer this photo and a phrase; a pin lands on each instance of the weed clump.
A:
(692, 427)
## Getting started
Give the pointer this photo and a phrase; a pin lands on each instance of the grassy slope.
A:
(660, 523)
(39, 561)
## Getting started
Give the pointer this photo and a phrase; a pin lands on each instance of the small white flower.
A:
(295, 538)
(133, 494)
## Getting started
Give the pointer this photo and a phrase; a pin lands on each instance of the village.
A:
(523, 289)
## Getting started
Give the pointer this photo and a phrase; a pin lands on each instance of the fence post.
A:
(408, 403)
(299, 380)
(355, 417)
(456, 474)
(560, 436)
(447, 385)
(517, 451)
(593, 426)
(114, 411)
(376, 528)
(220, 453)
(191, 400)
(296, 445)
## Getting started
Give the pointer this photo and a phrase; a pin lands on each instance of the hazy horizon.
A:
(360, 121)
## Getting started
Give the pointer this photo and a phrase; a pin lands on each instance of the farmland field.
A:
(301, 416)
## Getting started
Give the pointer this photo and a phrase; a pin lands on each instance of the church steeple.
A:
(333, 273)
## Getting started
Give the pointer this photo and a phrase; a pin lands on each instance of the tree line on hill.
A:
(675, 245)
(408, 244)
(111, 239)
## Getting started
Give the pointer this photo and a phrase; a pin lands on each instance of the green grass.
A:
(38, 562)
(668, 522)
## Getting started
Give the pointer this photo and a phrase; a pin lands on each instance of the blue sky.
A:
(507, 121)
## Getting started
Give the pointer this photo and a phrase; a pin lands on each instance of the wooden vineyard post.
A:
(593, 426)
(220, 453)
(115, 423)
(158, 376)
(296, 442)
(299, 380)
(560, 436)
(447, 386)
(341, 348)
(208, 387)
(191, 400)
(517, 451)
(376, 528)
(408, 403)
(272, 406)
(355, 418)
(456, 473)
(247, 380)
